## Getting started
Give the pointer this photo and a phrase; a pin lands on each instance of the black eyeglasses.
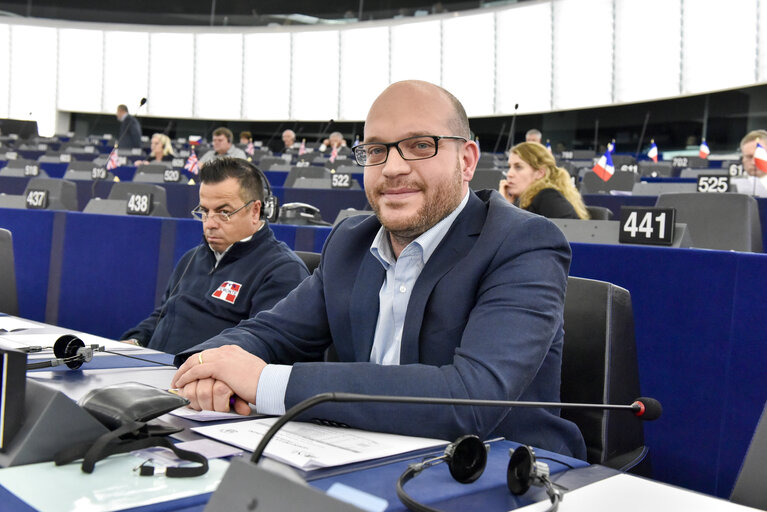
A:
(202, 215)
(420, 147)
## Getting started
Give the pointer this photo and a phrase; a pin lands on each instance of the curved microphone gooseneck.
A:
(644, 408)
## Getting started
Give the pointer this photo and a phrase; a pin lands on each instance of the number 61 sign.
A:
(653, 226)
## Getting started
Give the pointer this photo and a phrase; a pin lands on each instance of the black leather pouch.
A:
(116, 405)
(125, 409)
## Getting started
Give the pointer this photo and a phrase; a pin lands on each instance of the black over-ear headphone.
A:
(68, 349)
(72, 351)
(466, 459)
(270, 206)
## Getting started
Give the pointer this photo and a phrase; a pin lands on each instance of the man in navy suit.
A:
(443, 293)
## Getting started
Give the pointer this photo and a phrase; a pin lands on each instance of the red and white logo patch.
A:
(227, 291)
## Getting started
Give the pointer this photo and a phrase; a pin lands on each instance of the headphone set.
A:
(68, 349)
(466, 458)
(72, 352)
(270, 206)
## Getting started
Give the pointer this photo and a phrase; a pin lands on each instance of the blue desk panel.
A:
(700, 333)
(32, 232)
(110, 270)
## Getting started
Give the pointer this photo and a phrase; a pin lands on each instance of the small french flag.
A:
(194, 140)
(548, 145)
(703, 152)
(760, 157)
(604, 167)
(653, 153)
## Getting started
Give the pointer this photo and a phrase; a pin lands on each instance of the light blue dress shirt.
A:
(401, 275)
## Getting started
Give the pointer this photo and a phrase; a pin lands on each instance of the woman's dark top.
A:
(550, 203)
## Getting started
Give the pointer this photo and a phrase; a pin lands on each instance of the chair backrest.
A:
(727, 222)
(350, 212)
(62, 194)
(265, 162)
(645, 188)
(620, 181)
(23, 167)
(750, 489)
(310, 259)
(156, 167)
(348, 168)
(694, 173)
(599, 213)
(9, 302)
(621, 160)
(655, 169)
(486, 179)
(599, 365)
(155, 177)
(306, 172)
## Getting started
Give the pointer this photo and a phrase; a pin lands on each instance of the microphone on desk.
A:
(466, 457)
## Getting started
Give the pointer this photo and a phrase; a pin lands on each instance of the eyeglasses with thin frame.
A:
(419, 147)
(202, 215)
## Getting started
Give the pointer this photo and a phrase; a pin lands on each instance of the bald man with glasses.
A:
(443, 293)
(238, 270)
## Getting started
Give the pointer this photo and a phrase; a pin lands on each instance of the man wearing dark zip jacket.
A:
(238, 270)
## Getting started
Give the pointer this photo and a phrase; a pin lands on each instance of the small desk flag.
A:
(704, 151)
(604, 167)
(653, 153)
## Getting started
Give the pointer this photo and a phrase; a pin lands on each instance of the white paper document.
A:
(308, 446)
(629, 493)
(11, 323)
(191, 414)
(44, 337)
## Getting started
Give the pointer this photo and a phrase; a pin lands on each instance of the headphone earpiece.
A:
(270, 206)
(466, 459)
(66, 348)
(524, 470)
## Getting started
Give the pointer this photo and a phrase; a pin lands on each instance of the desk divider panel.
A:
(32, 231)
(691, 334)
(745, 386)
(109, 271)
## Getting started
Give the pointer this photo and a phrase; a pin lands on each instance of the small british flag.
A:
(228, 291)
(191, 163)
(112, 162)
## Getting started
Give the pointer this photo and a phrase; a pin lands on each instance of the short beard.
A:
(446, 199)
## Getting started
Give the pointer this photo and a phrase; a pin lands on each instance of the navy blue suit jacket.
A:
(484, 321)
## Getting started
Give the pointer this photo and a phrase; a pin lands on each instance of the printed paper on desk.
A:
(191, 414)
(11, 323)
(308, 446)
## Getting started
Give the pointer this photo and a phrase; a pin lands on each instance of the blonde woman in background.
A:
(160, 150)
(535, 183)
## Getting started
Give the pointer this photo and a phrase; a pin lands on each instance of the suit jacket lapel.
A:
(454, 246)
(364, 305)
